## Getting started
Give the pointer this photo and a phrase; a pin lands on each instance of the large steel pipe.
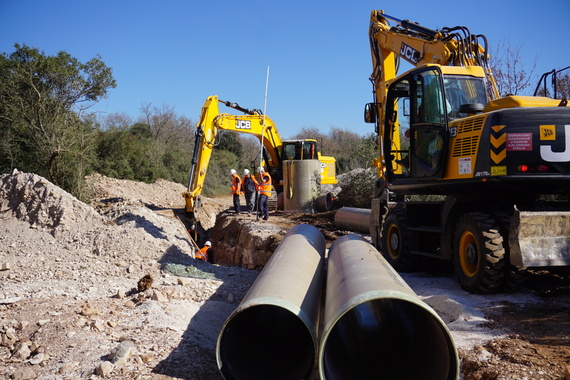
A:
(375, 326)
(273, 332)
(353, 219)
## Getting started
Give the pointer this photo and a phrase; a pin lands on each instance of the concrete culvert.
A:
(273, 332)
(375, 325)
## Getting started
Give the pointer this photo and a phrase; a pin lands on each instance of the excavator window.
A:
(300, 150)
(289, 151)
(460, 90)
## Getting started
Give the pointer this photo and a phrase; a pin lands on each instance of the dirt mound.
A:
(33, 199)
(69, 277)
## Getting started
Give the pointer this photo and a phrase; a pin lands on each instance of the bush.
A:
(357, 188)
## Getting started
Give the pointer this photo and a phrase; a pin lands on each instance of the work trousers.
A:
(237, 206)
(250, 202)
(263, 206)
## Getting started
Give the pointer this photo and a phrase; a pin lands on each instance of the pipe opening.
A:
(266, 342)
(388, 339)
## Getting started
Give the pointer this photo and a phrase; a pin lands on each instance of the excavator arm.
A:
(211, 122)
(253, 122)
(455, 51)
(419, 45)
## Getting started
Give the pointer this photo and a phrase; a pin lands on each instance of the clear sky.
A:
(176, 53)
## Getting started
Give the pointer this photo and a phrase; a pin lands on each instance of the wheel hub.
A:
(471, 254)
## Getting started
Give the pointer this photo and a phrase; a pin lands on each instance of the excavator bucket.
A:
(540, 238)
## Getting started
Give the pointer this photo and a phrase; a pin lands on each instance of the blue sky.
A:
(176, 53)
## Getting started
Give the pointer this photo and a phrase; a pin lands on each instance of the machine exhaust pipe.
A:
(273, 332)
(375, 326)
(353, 219)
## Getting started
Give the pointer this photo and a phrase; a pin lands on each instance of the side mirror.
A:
(371, 112)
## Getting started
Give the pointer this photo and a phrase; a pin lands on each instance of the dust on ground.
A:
(70, 306)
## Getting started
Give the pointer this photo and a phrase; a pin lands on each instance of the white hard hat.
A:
(245, 171)
(208, 244)
(260, 169)
(232, 172)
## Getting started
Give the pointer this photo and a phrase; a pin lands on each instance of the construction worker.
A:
(264, 192)
(206, 253)
(236, 190)
(249, 186)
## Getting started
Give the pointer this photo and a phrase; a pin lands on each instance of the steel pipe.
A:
(324, 202)
(375, 326)
(272, 334)
(353, 219)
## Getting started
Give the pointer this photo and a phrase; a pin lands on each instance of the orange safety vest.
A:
(203, 253)
(265, 184)
(236, 182)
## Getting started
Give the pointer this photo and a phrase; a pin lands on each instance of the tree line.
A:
(46, 128)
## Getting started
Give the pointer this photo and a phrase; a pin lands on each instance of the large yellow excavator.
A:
(496, 170)
(253, 122)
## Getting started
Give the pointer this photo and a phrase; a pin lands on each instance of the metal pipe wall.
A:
(375, 325)
(273, 332)
(324, 202)
(353, 219)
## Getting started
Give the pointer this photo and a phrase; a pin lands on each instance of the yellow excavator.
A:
(252, 122)
(464, 174)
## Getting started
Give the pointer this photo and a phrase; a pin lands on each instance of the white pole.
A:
(264, 112)
(262, 137)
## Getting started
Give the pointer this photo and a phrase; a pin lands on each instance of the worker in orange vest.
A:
(264, 192)
(236, 190)
(206, 253)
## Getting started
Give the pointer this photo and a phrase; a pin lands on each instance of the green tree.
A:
(42, 99)
(231, 142)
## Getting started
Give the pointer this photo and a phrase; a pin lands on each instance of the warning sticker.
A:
(498, 170)
(465, 165)
(519, 141)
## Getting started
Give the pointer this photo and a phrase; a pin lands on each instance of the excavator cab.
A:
(300, 150)
(420, 105)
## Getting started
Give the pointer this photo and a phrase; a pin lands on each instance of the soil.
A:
(111, 290)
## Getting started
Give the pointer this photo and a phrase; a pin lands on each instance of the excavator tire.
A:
(479, 256)
(395, 242)
(514, 277)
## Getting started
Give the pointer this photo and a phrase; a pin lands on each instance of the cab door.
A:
(416, 125)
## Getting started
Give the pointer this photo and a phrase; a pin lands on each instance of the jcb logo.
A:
(409, 53)
(548, 132)
(546, 152)
(243, 124)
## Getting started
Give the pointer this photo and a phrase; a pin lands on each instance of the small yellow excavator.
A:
(253, 122)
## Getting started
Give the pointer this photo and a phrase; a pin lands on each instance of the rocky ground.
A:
(111, 289)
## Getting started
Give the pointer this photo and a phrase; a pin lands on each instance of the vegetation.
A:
(42, 99)
(45, 128)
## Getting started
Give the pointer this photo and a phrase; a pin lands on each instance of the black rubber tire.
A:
(396, 243)
(478, 253)
(514, 277)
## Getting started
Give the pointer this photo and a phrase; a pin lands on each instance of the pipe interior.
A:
(266, 342)
(388, 339)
